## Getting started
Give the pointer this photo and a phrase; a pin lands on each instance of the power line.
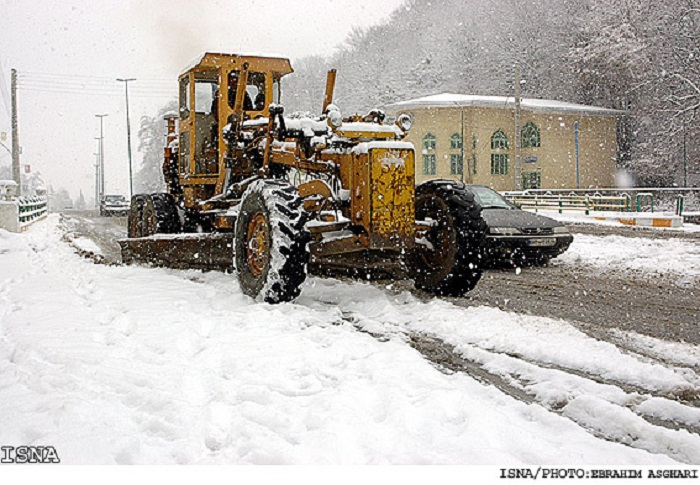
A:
(93, 93)
(83, 76)
(3, 92)
(66, 82)
(44, 82)
(145, 89)
(92, 85)
(99, 89)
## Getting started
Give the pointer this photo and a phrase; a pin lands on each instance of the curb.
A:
(646, 221)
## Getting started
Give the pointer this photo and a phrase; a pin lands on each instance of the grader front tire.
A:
(453, 262)
(270, 242)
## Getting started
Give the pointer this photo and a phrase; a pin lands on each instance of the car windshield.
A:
(489, 199)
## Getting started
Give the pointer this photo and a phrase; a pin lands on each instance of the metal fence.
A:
(678, 201)
(562, 202)
(18, 213)
(31, 209)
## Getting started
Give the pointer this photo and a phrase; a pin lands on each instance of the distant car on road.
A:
(114, 205)
(516, 236)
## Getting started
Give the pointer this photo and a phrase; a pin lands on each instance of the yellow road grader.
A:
(268, 194)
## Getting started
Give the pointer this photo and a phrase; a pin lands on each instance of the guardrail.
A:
(17, 214)
(31, 209)
(664, 199)
(561, 202)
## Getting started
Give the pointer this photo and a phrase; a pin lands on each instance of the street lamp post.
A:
(102, 156)
(98, 190)
(97, 180)
(128, 132)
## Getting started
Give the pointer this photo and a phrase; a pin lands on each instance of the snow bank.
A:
(658, 256)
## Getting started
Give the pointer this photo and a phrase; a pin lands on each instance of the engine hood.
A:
(517, 218)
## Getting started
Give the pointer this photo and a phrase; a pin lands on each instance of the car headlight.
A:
(561, 230)
(505, 231)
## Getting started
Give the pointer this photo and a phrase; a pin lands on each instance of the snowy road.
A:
(115, 364)
(605, 283)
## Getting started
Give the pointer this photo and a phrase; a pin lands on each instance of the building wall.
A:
(441, 123)
(555, 158)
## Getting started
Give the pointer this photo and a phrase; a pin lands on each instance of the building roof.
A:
(448, 100)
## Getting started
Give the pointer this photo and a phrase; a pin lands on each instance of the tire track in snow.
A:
(637, 427)
(521, 388)
(635, 349)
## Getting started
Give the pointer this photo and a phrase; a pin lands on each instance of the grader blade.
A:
(212, 251)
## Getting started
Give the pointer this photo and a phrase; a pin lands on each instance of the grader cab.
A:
(285, 191)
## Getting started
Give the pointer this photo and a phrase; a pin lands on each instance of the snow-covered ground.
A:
(673, 257)
(114, 364)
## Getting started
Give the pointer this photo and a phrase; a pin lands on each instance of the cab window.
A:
(204, 95)
(255, 92)
(254, 99)
(276, 90)
(184, 98)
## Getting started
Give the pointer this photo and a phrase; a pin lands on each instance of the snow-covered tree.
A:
(149, 178)
(80, 204)
(640, 56)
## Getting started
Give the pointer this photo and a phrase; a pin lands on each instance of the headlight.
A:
(335, 119)
(505, 231)
(404, 122)
(561, 230)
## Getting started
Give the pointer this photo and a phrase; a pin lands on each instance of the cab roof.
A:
(256, 63)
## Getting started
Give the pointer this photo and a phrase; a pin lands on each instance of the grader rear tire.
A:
(454, 264)
(270, 242)
(135, 221)
(167, 219)
(152, 214)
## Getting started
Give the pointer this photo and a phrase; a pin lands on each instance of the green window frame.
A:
(429, 164)
(532, 180)
(499, 140)
(530, 135)
(456, 141)
(456, 164)
(499, 164)
(429, 142)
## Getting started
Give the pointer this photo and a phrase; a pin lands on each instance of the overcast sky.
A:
(67, 53)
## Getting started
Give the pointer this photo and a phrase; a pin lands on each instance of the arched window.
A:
(429, 142)
(499, 140)
(530, 135)
(456, 142)
(499, 161)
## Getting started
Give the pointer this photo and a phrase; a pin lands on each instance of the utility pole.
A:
(97, 179)
(15, 135)
(102, 156)
(128, 132)
(517, 166)
(685, 153)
